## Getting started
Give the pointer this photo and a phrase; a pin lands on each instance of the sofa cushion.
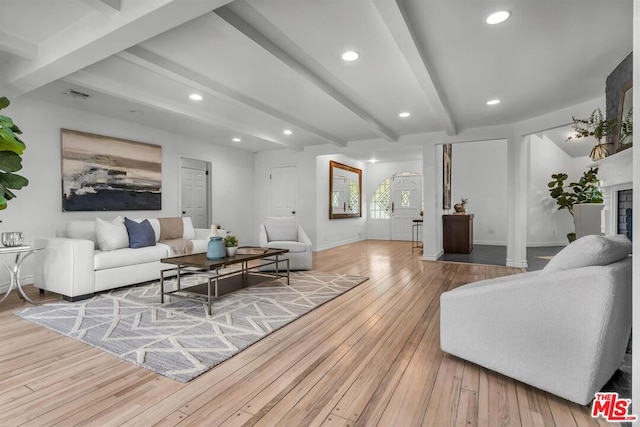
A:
(588, 251)
(281, 229)
(189, 232)
(111, 235)
(141, 234)
(171, 228)
(199, 246)
(155, 224)
(103, 260)
(82, 230)
(294, 247)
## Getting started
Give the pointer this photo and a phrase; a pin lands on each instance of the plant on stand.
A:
(598, 127)
(586, 190)
(11, 149)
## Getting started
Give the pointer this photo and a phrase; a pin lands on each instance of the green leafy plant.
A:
(626, 126)
(11, 149)
(586, 190)
(597, 126)
(231, 241)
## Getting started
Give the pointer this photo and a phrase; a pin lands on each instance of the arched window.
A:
(381, 200)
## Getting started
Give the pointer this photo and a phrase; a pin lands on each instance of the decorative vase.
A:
(215, 248)
(12, 239)
(231, 251)
(460, 208)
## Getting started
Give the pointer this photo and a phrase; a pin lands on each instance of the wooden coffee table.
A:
(244, 276)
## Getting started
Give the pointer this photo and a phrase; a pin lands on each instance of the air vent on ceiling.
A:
(76, 94)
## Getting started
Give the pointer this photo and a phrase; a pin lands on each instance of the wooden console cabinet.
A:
(457, 233)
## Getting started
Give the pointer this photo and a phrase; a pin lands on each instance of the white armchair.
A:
(286, 233)
(564, 329)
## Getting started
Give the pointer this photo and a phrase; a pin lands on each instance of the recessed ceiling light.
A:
(373, 160)
(195, 97)
(498, 17)
(287, 132)
(493, 102)
(236, 140)
(404, 114)
(350, 55)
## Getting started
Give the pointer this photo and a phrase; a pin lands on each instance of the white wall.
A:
(546, 225)
(305, 164)
(37, 210)
(478, 174)
(312, 166)
(376, 173)
(337, 232)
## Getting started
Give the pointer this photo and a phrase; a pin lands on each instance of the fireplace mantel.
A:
(616, 174)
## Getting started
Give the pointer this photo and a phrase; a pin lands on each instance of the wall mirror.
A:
(345, 191)
(625, 119)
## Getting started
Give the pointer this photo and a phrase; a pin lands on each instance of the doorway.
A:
(283, 191)
(406, 203)
(195, 191)
(396, 202)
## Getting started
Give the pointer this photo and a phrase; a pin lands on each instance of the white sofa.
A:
(286, 233)
(74, 266)
(564, 329)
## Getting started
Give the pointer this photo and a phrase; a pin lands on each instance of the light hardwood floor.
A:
(370, 357)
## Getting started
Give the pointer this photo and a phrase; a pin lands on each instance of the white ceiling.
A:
(263, 66)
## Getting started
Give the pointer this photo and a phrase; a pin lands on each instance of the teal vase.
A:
(215, 248)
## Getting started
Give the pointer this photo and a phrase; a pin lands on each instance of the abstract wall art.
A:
(101, 173)
(446, 176)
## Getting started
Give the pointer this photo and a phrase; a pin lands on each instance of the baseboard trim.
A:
(489, 243)
(517, 263)
(24, 281)
(544, 244)
(433, 257)
(336, 244)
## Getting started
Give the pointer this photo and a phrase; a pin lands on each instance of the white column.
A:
(517, 188)
(432, 184)
(635, 378)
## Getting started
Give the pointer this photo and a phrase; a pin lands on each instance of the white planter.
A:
(588, 219)
(232, 251)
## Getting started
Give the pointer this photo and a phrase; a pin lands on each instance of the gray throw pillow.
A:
(589, 251)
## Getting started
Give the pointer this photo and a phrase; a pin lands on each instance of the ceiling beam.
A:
(399, 25)
(256, 27)
(171, 69)
(18, 46)
(108, 7)
(96, 37)
(127, 93)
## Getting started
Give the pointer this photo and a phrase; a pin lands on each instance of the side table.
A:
(22, 253)
(415, 234)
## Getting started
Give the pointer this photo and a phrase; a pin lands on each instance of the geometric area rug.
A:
(178, 339)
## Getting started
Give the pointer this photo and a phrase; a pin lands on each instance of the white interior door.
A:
(406, 202)
(283, 191)
(194, 190)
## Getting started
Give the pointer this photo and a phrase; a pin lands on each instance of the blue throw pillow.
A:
(141, 234)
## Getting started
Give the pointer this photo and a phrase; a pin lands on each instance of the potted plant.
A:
(231, 243)
(583, 192)
(626, 128)
(11, 149)
(598, 127)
